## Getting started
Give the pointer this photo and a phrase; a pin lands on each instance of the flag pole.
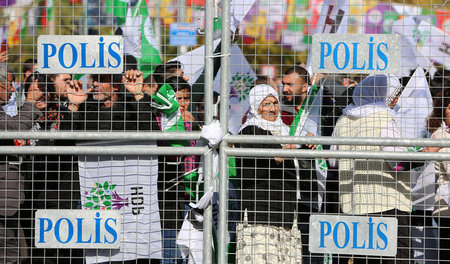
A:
(136, 10)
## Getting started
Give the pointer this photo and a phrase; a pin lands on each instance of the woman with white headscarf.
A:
(268, 189)
(374, 186)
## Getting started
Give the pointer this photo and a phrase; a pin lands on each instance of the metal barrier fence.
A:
(267, 191)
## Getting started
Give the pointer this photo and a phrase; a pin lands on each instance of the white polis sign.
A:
(77, 229)
(357, 235)
(80, 54)
(356, 53)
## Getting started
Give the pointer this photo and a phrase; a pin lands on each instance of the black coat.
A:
(268, 188)
(126, 115)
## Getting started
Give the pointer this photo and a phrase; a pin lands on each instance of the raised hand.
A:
(134, 82)
(75, 94)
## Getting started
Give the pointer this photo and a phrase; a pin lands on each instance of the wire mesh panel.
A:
(308, 111)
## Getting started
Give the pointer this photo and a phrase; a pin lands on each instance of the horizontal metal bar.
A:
(102, 150)
(81, 135)
(425, 142)
(337, 154)
(103, 135)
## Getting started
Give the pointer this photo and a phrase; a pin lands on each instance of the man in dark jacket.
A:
(114, 103)
(11, 178)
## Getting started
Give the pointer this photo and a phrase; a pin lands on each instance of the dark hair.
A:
(51, 77)
(43, 84)
(130, 62)
(300, 71)
(28, 65)
(113, 79)
(262, 79)
(440, 103)
(149, 80)
(439, 82)
(177, 83)
(162, 70)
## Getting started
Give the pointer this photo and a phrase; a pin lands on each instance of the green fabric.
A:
(169, 103)
(171, 120)
(147, 55)
(117, 8)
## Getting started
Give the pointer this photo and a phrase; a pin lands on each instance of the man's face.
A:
(294, 89)
(184, 99)
(103, 88)
(60, 82)
(6, 89)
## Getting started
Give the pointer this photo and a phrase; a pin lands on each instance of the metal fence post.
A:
(209, 64)
(224, 103)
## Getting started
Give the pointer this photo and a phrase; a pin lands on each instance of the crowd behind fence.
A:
(274, 160)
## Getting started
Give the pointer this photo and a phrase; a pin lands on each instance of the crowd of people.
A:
(274, 194)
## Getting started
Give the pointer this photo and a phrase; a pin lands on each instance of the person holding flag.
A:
(295, 91)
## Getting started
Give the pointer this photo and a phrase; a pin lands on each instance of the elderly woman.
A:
(268, 197)
(374, 186)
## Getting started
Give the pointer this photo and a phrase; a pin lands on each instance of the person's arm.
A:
(25, 119)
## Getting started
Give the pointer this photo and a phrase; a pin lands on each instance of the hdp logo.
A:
(103, 196)
(240, 85)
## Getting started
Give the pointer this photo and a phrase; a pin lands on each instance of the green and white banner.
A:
(127, 184)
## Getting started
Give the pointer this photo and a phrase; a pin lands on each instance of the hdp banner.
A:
(128, 184)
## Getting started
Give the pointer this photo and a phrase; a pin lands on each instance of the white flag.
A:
(412, 56)
(194, 62)
(333, 19)
(435, 43)
(242, 79)
(128, 184)
(239, 10)
(414, 106)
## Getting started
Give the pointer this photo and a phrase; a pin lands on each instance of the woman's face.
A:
(41, 99)
(268, 109)
(447, 115)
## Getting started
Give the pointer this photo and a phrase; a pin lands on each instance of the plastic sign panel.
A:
(357, 235)
(356, 53)
(77, 229)
(183, 34)
(80, 54)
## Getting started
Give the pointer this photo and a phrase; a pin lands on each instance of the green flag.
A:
(117, 8)
(138, 35)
